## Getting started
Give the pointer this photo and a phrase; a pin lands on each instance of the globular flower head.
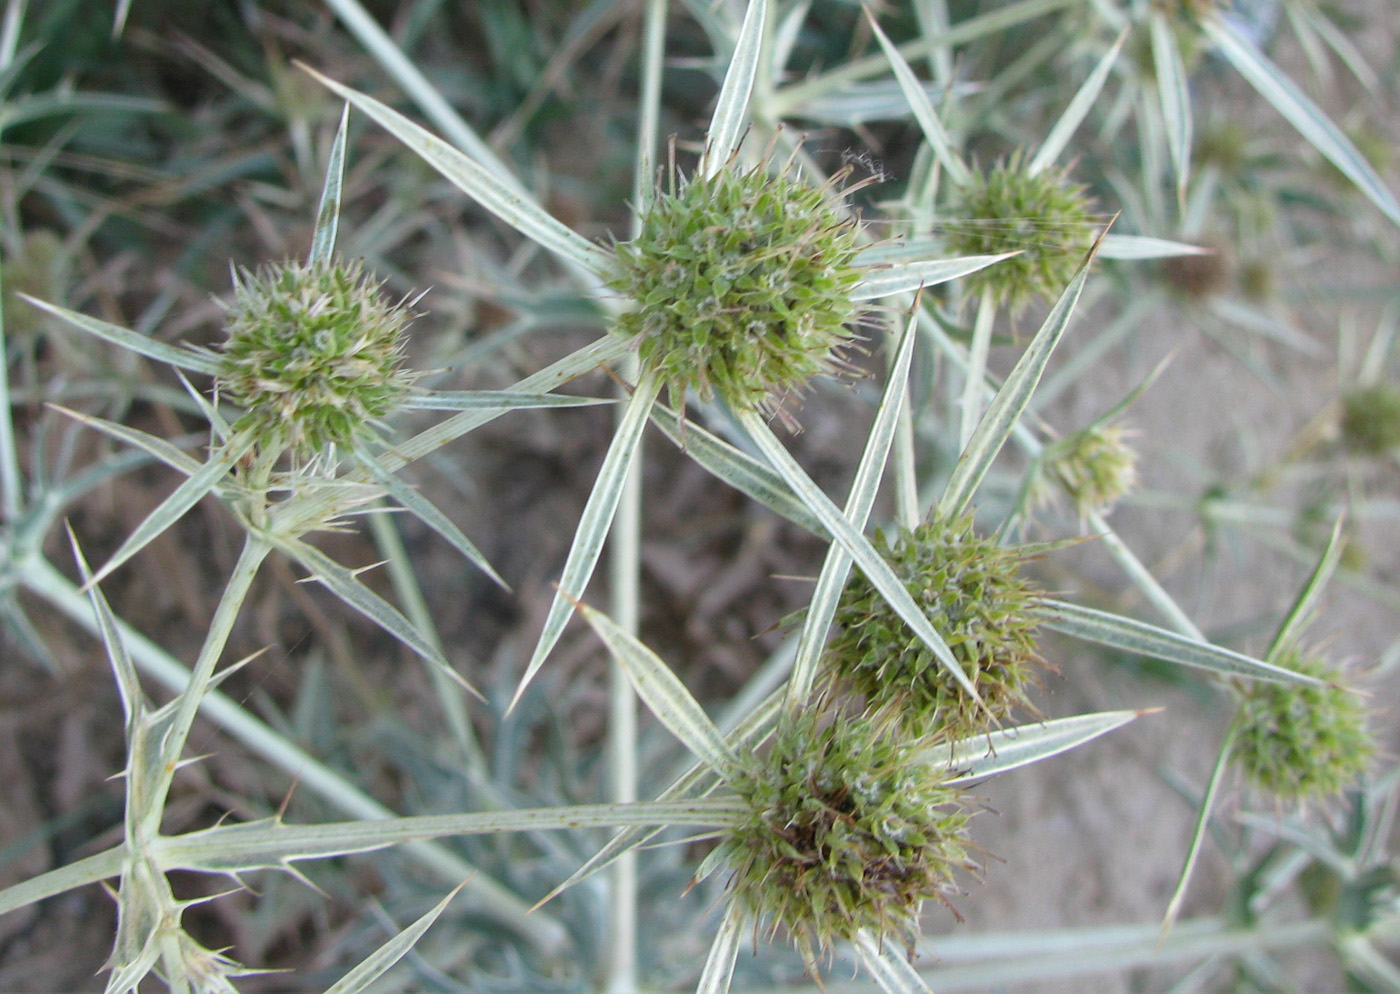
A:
(846, 829)
(972, 591)
(1371, 419)
(1302, 742)
(741, 283)
(1041, 215)
(314, 355)
(1097, 467)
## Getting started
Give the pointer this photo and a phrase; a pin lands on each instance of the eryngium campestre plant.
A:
(1302, 742)
(314, 355)
(972, 591)
(847, 829)
(741, 283)
(1041, 215)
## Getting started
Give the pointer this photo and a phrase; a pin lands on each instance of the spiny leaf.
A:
(1139, 637)
(594, 524)
(934, 132)
(837, 567)
(891, 278)
(1006, 749)
(856, 545)
(131, 341)
(1011, 400)
(328, 212)
(663, 692)
(480, 184)
(731, 110)
(374, 966)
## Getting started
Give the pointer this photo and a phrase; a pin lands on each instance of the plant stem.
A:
(544, 931)
(625, 559)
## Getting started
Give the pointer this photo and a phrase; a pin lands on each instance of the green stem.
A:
(625, 558)
(255, 550)
(11, 492)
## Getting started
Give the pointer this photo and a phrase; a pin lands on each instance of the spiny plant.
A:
(1041, 216)
(833, 825)
(844, 831)
(1302, 742)
(972, 589)
(314, 356)
(740, 284)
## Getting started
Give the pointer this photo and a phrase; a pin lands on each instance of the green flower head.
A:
(1302, 742)
(314, 355)
(846, 829)
(972, 591)
(1371, 420)
(741, 283)
(1041, 215)
(1097, 467)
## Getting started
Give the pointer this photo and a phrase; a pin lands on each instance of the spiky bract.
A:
(846, 829)
(1097, 467)
(1302, 741)
(971, 590)
(1042, 216)
(1371, 419)
(741, 283)
(314, 355)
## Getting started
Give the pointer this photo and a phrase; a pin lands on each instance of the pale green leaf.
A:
(594, 524)
(377, 963)
(328, 211)
(662, 691)
(1129, 247)
(343, 583)
(892, 278)
(888, 965)
(1078, 109)
(1198, 832)
(934, 132)
(1138, 637)
(876, 570)
(128, 682)
(724, 950)
(1004, 749)
(1300, 614)
(428, 513)
(1011, 400)
(496, 400)
(131, 341)
(1315, 127)
(161, 449)
(1174, 95)
(698, 780)
(736, 468)
(592, 356)
(185, 496)
(475, 180)
(826, 595)
(727, 126)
